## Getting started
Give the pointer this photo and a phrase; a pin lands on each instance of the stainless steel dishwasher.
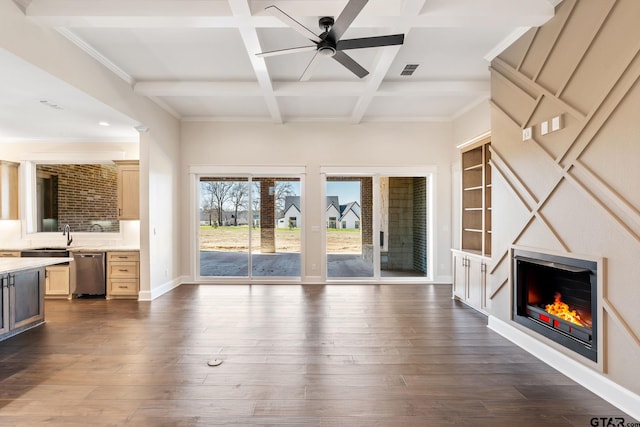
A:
(89, 277)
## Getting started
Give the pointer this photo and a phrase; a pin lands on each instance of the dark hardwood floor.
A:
(340, 355)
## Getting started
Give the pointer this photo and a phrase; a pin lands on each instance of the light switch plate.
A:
(526, 134)
(556, 123)
(544, 128)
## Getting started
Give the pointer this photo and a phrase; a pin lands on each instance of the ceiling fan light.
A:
(327, 51)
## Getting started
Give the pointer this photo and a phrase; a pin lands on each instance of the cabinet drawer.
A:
(123, 256)
(123, 287)
(122, 269)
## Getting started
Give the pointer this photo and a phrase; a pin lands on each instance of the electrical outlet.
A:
(526, 134)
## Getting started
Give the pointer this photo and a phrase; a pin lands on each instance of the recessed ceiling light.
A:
(103, 123)
(50, 104)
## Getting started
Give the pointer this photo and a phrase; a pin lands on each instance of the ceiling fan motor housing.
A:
(326, 22)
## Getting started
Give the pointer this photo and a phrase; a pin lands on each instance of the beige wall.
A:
(574, 191)
(316, 145)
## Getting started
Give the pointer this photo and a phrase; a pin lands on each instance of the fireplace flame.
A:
(562, 310)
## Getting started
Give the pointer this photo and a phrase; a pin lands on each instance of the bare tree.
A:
(239, 194)
(255, 202)
(281, 191)
(217, 193)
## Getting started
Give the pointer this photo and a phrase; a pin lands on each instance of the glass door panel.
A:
(402, 219)
(349, 227)
(277, 214)
(224, 233)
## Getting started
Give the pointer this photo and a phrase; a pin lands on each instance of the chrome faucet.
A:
(66, 231)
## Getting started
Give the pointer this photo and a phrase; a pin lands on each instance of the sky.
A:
(347, 191)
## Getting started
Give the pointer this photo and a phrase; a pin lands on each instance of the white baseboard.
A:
(443, 280)
(620, 397)
(162, 289)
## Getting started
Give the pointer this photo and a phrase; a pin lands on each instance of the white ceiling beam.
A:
(384, 60)
(240, 9)
(315, 89)
(435, 88)
(197, 88)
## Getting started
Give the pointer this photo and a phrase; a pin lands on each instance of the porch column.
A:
(267, 216)
(366, 217)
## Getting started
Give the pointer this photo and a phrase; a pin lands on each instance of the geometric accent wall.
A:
(575, 190)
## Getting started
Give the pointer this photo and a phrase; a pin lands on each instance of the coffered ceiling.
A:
(197, 58)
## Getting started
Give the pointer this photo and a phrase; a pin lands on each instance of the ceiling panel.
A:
(447, 53)
(173, 53)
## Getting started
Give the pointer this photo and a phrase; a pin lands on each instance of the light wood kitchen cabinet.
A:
(128, 189)
(470, 279)
(9, 254)
(57, 282)
(9, 190)
(123, 274)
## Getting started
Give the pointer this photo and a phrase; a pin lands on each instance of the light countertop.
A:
(79, 248)
(10, 265)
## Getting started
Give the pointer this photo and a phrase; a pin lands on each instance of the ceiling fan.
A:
(329, 42)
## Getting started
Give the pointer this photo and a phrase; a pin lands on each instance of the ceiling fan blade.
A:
(350, 64)
(286, 51)
(365, 42)
(278, 13)
(312, 65)
(349, 13)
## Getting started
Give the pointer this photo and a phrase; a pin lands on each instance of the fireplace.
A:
(556, 297)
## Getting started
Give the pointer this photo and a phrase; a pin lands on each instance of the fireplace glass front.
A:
(556, 297)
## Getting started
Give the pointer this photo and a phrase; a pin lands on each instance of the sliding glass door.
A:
(349, 240)
(275, 248)
(225, 227)
(403, 221)
(249, 227)
(377, 226)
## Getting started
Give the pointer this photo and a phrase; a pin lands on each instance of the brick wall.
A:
(400, 253)
(86, 193)
(267, 216)
(420, 224)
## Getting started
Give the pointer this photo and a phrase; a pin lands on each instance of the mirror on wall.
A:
(85, 196)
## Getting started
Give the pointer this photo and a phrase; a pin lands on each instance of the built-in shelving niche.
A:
(476, 198)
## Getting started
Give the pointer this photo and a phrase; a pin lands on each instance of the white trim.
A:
(78, 157)
(247, 171)
(162, 289)
(88, 49)
(597, 383)
(505, 43)
(399, 171)
(474, 139)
